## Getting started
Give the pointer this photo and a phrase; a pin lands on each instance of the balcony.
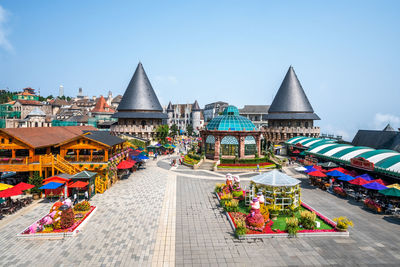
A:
(293, 130)
(132, 129)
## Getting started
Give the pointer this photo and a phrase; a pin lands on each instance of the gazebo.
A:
(278, 189)
(231, 135)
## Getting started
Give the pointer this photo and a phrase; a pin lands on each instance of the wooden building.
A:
(67, 149)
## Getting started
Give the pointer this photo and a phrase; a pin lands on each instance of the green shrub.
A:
(307, 219)
(237, 193)
(292, 226)
(37, 181)
(240, 228)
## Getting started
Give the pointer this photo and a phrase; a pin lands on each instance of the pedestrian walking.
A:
(86, 195)
(258, 168)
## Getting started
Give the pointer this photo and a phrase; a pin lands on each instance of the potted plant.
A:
(342, 223)
(36, 180)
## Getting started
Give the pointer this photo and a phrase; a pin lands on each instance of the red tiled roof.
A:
(47, 136)
(29, 102)
(102, 106)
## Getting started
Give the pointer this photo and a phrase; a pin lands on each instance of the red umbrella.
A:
(358, 181)
(78, 184)
(317, 174)
(296, 152)
(10, 192)
(125, 165)
(23, 186)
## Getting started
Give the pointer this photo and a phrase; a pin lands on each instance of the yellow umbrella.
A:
(397, 186)
(5, 186)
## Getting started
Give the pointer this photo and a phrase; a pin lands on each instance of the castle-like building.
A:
(139, 113)
(290, 113)
(183, 115)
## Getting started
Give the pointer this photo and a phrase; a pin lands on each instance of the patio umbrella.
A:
(301, 169)
(374, 186)
(394, 186)
(296, 152)
(358, 181)
(10, 192)
(390, 192)
(5, 186)
(79, 184)
(380, 181)
(366, 177)
(339, 169)
(125, 165)
(346, 178)
(317, 174)
(142, 157)
(23, 186)
(335, 173)
(352, 173)
(329, 164)
(310, 170)
(51, 185)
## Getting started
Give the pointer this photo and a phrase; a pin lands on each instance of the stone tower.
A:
(170, 113)
(196, 117)
(290, 113)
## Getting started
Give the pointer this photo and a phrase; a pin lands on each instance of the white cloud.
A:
(381, 120)
(167, 78)
(4, 43)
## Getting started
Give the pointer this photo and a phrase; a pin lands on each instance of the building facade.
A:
(256, 113)
(183, 115)
(212, 110)
(139, 112)
(290, 113)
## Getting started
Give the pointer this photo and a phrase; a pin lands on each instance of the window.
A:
(10, 140)
(2, 140)
(143, 123)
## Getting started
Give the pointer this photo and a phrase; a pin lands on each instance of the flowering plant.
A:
(369, 203)
(340, 191)
(343, 223)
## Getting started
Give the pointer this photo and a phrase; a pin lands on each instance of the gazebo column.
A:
(258, 145)
(241, 146)
(216, 147)
(77, 154)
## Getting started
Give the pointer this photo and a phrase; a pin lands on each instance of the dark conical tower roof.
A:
(291, 96)
(389, 128)
(139, 95)
(291, 99)
(196, 106)
(170, 108)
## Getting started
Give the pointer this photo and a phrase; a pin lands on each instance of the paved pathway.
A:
(123, 231)
(170, 217)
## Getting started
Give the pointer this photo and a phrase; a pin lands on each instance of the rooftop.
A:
(230, 120)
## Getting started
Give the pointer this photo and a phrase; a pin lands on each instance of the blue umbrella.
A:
(366, 177)
(142, 157)
(335, 173)
(374, 186)
(310, 170)
(346, 178)
(51, 185)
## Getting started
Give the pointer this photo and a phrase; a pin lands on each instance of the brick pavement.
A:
(204, 236)
(121, 233)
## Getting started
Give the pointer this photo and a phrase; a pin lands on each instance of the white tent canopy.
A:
(275, 178)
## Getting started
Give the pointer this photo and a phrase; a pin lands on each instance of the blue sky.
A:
(345, 53)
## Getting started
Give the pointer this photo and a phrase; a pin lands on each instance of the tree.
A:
(36, 180)
(189, 130)
(174, 130)
(162, 133)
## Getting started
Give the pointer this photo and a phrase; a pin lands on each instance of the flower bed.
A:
(277, 228)
(245, 165)
(80, 218)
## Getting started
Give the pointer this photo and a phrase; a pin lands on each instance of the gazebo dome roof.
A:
(275, 178)
(230, 120)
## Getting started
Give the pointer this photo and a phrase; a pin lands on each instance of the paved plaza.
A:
(166, 217)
